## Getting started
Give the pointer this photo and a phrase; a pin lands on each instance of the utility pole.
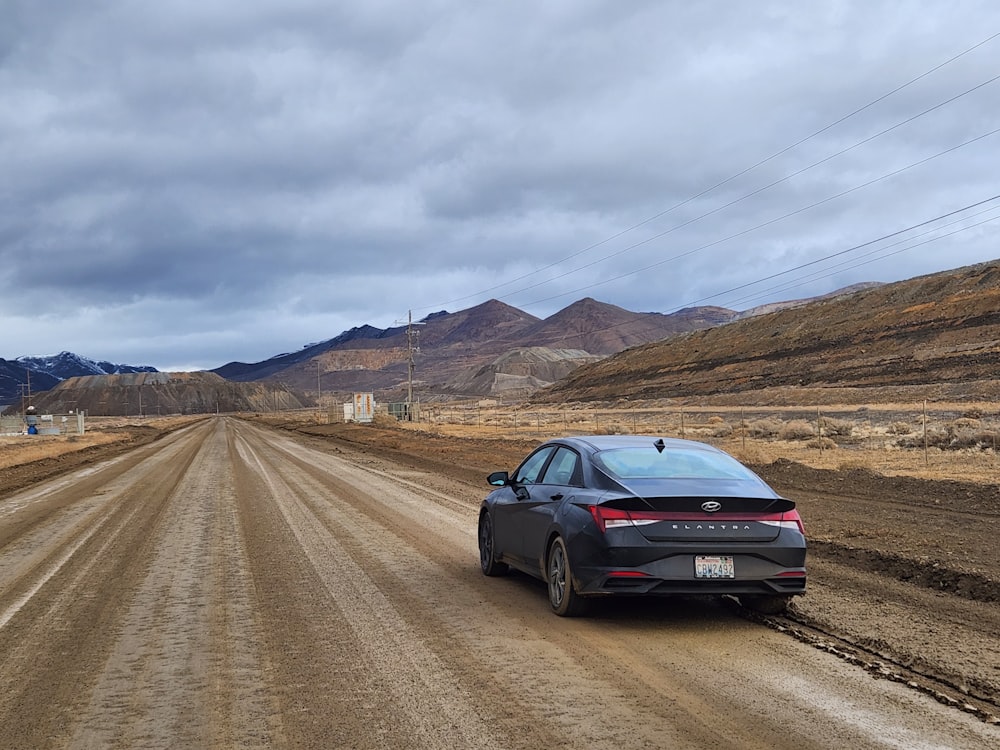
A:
(26, 392)
(409, 377)
(412, 347)
(319, 387)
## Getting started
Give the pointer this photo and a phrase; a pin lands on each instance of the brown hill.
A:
(450, 348)
(442, 346)
(930, 337)
(600, 328)
(771, 307)
(520, 372)
(154, 393)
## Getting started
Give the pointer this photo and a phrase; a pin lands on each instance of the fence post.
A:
(924, 420)
(819, 429)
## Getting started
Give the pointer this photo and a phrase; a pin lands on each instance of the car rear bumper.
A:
(753, 574)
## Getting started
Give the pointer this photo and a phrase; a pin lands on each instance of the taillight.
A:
(614, 518)
(791, 520)
(609, 518)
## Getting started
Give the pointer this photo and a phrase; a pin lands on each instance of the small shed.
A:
(361, 408)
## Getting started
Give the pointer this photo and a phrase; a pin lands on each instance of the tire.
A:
(563, 598)
(766, 605)
(487, 559)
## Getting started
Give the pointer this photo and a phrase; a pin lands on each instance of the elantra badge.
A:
(711, 506)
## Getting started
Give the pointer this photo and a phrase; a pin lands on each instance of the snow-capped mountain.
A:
(68, 365)
(46, 372)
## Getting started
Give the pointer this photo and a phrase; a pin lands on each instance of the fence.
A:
(923, 425)
(48, 424)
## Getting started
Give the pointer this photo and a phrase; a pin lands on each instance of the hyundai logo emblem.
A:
(711, 506)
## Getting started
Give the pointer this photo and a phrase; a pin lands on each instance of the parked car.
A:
(624, 515)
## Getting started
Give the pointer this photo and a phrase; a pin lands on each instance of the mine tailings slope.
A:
(942, 329)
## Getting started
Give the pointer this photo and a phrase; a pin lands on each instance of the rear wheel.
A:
(563, 598)
(487, 561)
(766, 605)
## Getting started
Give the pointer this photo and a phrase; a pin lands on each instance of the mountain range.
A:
(26, 375)
(492, 349)
(448, 348)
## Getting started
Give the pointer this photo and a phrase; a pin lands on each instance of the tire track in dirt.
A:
(185, 670)
(435, 584)
(906, 624)
(422, 701)
(42, 529)
(246, 589)
(52, 647)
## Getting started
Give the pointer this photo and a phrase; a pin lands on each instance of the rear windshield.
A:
(648, 463)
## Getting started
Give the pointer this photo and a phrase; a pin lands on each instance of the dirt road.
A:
(235, 586)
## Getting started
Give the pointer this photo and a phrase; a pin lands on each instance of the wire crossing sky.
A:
(189, 184)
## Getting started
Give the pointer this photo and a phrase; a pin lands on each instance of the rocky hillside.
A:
(520, 372)
(934, 336)
(450, 350)
(599, 328)
(151, 394)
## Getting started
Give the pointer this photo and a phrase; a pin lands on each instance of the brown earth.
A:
(450, 347)
(152, 394)
(934, 337)
(928, 542)
(227, 585)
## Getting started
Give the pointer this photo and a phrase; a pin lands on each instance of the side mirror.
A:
(499, 479)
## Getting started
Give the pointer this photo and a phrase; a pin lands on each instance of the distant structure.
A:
(31, 420)
(361, 408)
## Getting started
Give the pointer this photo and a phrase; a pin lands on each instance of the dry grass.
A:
(869, 437)
(872, 443)
(966, 466)
(22, 449)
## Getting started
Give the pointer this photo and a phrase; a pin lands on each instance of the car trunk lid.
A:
(699, 519)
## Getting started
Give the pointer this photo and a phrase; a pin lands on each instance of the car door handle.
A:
(557, 496)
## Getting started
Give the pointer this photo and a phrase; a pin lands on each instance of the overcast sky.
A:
(190, 182)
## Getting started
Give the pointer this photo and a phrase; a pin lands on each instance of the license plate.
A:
(714, 566)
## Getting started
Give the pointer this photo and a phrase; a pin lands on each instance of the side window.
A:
(527, 473)
(562, 468)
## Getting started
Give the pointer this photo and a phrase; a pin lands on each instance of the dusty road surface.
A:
(235, 586)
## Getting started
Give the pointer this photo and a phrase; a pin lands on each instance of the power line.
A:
(749, 195)
(733, 177)
(767, 223)
(848, 265)
(839, 253)
(853, 249)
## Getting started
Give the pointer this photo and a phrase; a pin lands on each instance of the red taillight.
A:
(611, 518)
(793, 516)
(606, 518)
(787, 520)
(792, 574)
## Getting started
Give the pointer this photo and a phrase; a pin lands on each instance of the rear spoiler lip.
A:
(661, 504)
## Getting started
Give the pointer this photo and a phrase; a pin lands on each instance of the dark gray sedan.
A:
(615, 515)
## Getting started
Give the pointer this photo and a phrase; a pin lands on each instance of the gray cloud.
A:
(189, 183)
